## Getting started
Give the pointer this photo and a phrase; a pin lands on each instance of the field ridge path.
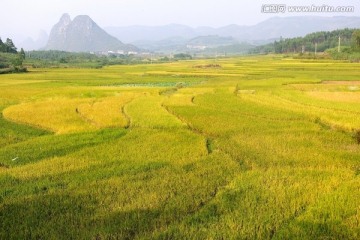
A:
(86, 119)
(127, 117)
(192, 129)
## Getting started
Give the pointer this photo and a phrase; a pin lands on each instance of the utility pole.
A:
(303, 49)
(339, 44)
(315, 48)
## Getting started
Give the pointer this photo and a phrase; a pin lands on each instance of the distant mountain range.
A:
(275, 27)
(154, 38)
(31, 44)
(83, 35)
(201, 44)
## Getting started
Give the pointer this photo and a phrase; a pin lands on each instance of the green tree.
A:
(356, 40)
(10, 46)
(2, 46)
(17, 61)
(22, 54)
(182, 56)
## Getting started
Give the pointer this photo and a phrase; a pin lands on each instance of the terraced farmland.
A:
(254, 148)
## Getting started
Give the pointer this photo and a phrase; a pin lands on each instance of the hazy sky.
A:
(22, 18)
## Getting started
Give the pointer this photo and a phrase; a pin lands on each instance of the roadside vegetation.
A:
(257, 147)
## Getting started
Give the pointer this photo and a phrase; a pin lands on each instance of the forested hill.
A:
(319, 40)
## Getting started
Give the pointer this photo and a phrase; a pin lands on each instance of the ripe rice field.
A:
(264, 147)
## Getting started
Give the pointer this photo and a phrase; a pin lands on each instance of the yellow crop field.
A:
(155, 115)
(256, 147)
(57, 115)
(345, 97)
(107, 112)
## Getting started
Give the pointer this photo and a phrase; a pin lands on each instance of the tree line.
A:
(9, 47)
(10, 59)
(314, 42)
